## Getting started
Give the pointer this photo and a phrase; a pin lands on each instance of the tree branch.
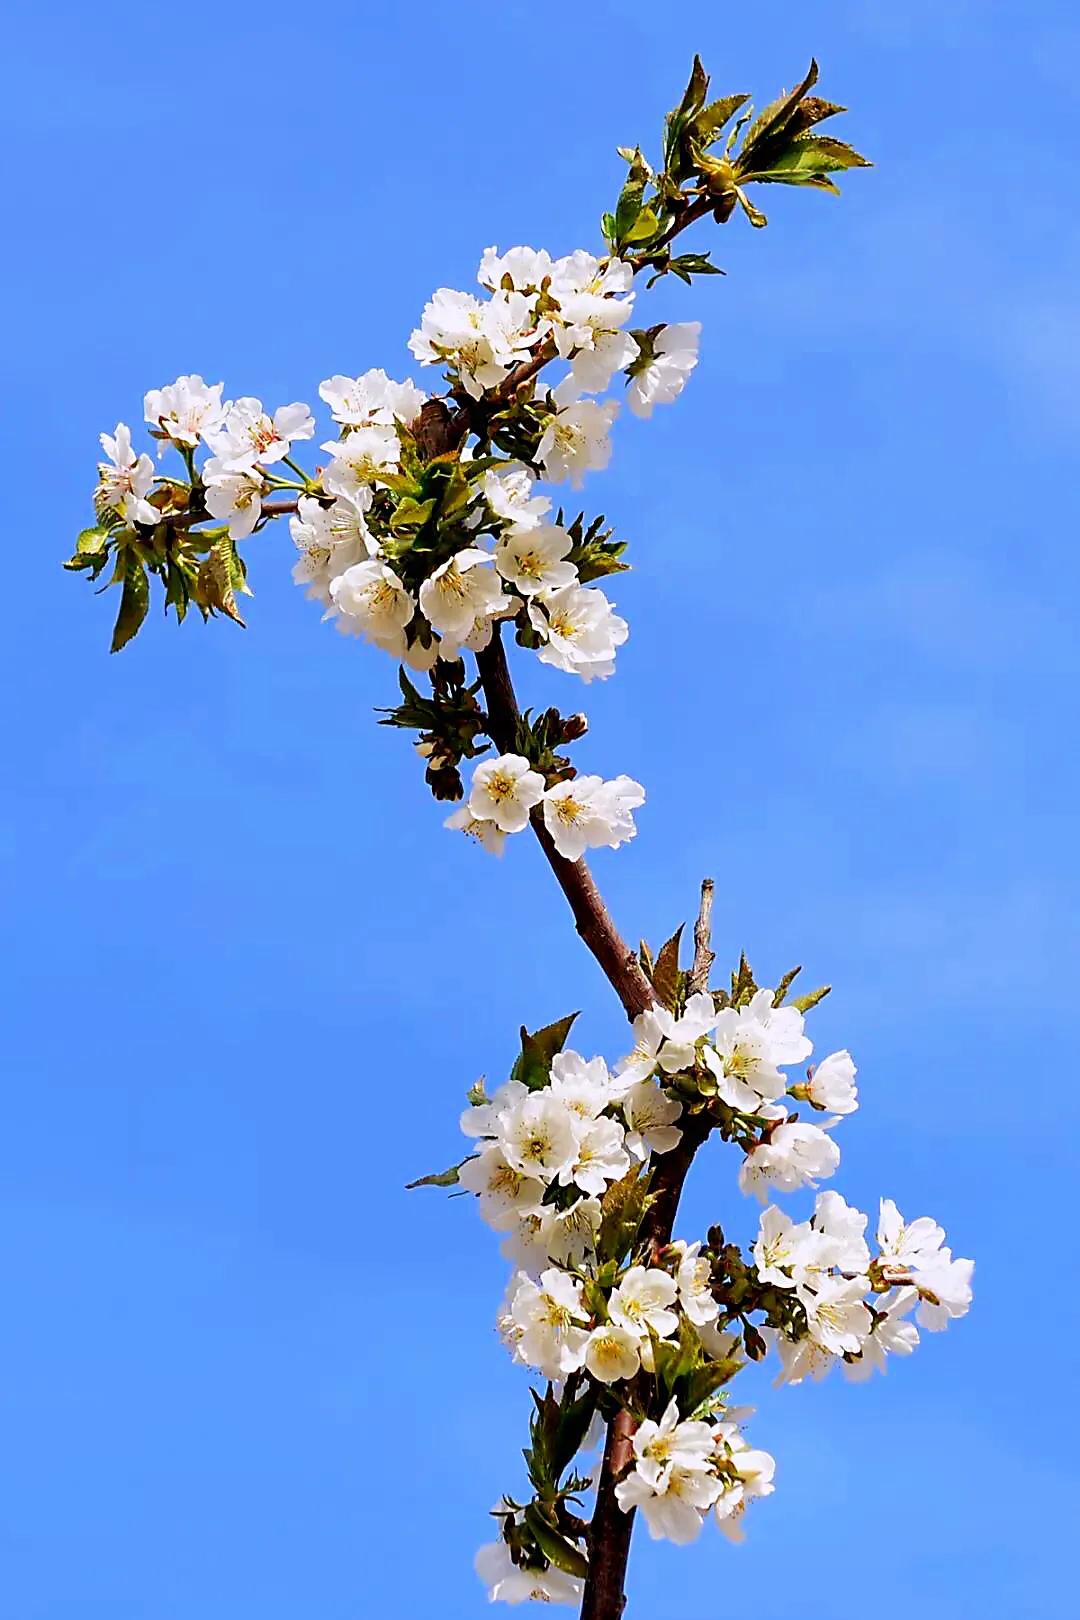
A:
(594, 921)
(703, 956)
(611, 1529)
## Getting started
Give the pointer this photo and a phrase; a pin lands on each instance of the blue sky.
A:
(244, 1373)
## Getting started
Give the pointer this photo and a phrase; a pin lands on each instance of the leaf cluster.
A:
(449, 722)
(201, 568)
(780, 147)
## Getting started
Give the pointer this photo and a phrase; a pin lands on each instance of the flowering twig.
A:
(427, 532)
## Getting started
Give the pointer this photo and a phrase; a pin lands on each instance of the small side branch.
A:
(703, 956)
(594, 921)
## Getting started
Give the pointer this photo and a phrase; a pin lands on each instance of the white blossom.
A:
(584, 1087)
(844, 1227)
(601, 1156)
(595, 297)
(534, 559)
(650, 1114)
(460, 591)
(372, 602)
(330, 539)
(801, 1359)
(504, 790)
(576, 439)
(527, 268)
(234, 494)
(779, 1246)
(663, 375)
(248, 434)
(486, 833)
(484, 1119)
(508, 1582)
(374, 397)
(612, 1353)
(831, 1085)
(505, 1194)
(673, 1506)
(589, 813)
(565, 1235)
(580, 630)
(551, 1318)
(672, 1442)
(791, 1158)
(914, 1245)
(745, 1473)
(751, 1043)
(944, 1291)
(359, 459)
(836, 1315)
(891, 1335)
(693, 1281)
(682, 1035)
(185, 410)
(509, 493)
(537, 1136)
(593, 368)
(481, 340)
(125, 480)
(643, 1300)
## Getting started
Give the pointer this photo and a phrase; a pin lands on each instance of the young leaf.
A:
(621, 1211)
(554, 1545)
(444, 1178)
(665, 975)
(807, 161)
(134, 602)
(804, 1003)
(785, 985)
(573, 1425)
(533, 1067)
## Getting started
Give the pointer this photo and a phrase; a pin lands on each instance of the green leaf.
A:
(742, 983)
(666, 978)
(622, 1210)
(807, 161)
(554, 1545)
(92, 542)
(785, 985)
(573, 1425)
(693, 98)
(804, 1003)
(711, 119)
(533, 1067)
(444, 1178)
(772, 119)
(134, 602)
(476, 1096)
(704, 1381)
(644, 228)
(220, 575)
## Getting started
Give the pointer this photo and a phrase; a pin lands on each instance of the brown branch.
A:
(611, 1529)
(594, 921)
(703, 956)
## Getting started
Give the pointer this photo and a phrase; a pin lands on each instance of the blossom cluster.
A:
(660, 1330)
(582, 813)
